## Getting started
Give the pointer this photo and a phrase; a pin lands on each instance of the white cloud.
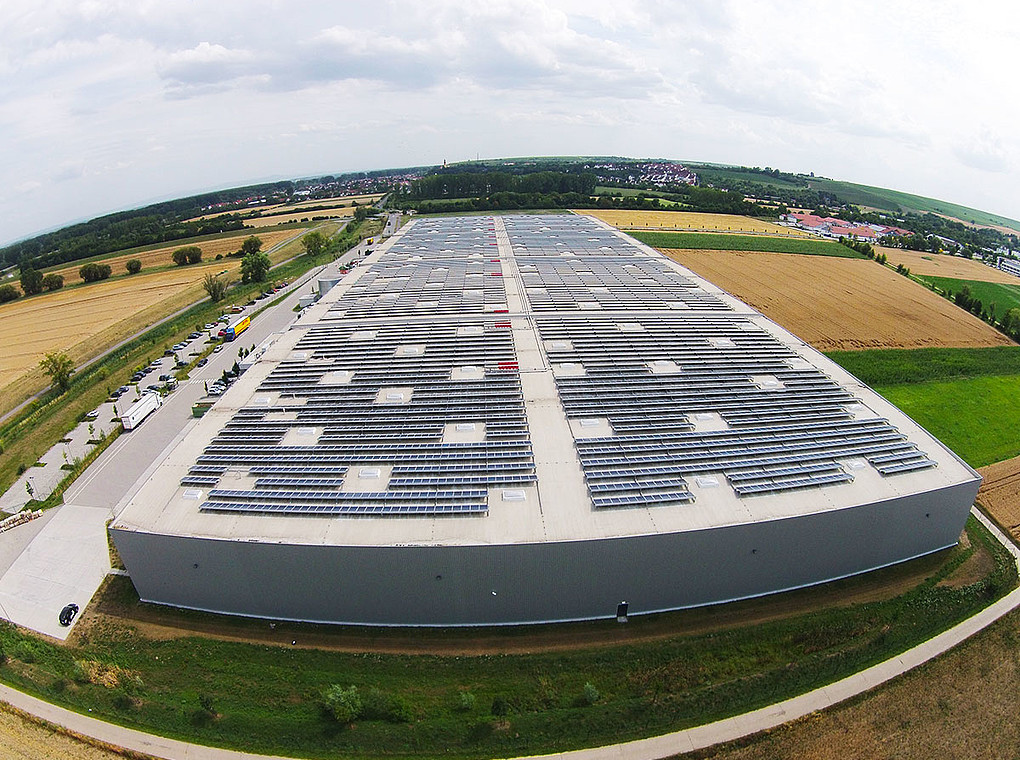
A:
(131, 100)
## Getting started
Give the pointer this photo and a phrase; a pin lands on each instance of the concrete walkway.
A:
(666, 745)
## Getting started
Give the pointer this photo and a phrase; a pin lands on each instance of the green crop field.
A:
(965, 397)
(978, 418)
(723, 242)
(898, 366)
(1005, 297)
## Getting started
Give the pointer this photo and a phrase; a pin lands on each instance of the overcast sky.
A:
(110, 104)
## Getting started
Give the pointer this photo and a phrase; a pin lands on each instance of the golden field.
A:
(84, 321)
(835, 303)
(324, 203)
(941, 265)
(162, 257)
(689, 221)
(275, 219)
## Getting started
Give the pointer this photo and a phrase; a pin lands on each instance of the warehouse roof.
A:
(525, 378)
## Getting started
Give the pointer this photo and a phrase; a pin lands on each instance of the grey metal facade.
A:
(538, 582)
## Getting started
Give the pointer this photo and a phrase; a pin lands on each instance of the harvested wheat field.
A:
(1000, 493)
(691, 222)
(941, 265)
(275, 219)
(840, 304)
(24, 738)
(161, 257)
(76, 320)
(324, 203)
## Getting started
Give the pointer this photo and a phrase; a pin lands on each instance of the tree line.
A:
(486, 184)
(157, 223)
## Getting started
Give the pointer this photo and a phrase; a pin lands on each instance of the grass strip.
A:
(714, 241)
(269, 698)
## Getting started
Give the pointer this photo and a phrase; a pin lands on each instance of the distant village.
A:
(830, 227)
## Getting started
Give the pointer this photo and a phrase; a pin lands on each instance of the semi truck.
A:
(236, 327)
(142, 408)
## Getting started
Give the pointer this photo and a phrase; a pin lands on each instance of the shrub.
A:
(590, 695)
(378, 705)
(8, 293)
(466, 701)
(133, 266)
(189, 254)
(53, 281)
(344, 705)
(93, 272)
(500, 707)
(31, 281)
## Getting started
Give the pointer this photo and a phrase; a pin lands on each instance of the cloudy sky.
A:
(109, 104)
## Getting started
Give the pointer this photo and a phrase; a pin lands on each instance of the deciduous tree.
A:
(59, 367)
(214, 286)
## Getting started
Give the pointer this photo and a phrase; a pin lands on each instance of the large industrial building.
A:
(530, 418)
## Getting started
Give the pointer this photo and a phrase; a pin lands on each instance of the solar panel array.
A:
(405, 398)
(334, 390)
(441, 266)
(567, 264)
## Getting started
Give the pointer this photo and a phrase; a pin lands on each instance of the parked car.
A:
(203, 361)
(93, 415)
(193, 335)
(168, 352)
(210, 325)
(218, 349)
(164, 378)
(67, 614)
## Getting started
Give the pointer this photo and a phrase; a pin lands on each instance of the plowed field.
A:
(1000, 493)
(940, 265)
(840, 304)
(690, 221)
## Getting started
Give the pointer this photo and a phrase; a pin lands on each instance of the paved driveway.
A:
(65, 562)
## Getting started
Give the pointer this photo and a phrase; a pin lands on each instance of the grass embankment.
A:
(723, 242)
(966, 397)
(32, 431)
(1004, 297)
(268, 698)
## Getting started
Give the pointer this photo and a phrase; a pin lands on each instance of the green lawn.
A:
(1005, 297)
(978, 418)
(723, 242)
(268, 698)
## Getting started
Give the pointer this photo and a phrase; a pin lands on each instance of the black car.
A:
(203, 361)
(67, 614)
